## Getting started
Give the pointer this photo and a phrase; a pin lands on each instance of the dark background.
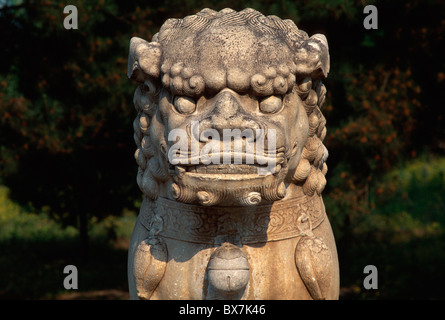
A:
(68, 192)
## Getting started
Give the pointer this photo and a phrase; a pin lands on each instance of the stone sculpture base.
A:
(268, 236)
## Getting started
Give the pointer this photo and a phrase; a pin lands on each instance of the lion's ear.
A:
(144, 60)
(312, 57)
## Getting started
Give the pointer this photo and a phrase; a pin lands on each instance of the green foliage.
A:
(35, 249)
(66, 113)
(23, 225)
(418, 188)
(16, 224)
(401, 231)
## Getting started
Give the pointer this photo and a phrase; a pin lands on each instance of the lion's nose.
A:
(227, 105)
(228, 121)
(228, 114)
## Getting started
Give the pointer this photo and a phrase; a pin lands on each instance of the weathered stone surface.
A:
(229, 136)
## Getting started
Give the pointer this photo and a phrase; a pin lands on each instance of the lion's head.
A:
(229, 109)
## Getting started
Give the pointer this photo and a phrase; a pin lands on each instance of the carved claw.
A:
(150, 262)
(313, 260)
(314, 263)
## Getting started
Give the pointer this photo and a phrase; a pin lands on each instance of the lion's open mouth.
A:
(261, 165)
(224, 169)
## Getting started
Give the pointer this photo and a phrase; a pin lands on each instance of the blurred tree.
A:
(66, 109)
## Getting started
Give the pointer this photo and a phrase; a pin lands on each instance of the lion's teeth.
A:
(277, 169)
(201, 169)
(179, 169)
(227, 169)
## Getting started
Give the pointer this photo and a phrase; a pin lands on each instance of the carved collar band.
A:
(242, 225)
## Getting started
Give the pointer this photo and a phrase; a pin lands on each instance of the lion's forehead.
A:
(245, 22)
(188, 79)
(237, 50)
(229, 46)
(265, 67)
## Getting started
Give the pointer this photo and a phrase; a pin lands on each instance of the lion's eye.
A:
(271, 104)
(184, 105)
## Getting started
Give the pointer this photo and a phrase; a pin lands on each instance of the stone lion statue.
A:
(229, 134)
